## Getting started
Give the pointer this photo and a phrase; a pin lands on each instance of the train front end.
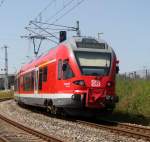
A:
(97, 66)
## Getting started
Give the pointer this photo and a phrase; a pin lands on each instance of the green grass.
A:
(6, 94)
(134, 96)
(134, 103)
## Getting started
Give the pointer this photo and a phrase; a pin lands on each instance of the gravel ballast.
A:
(62, 129)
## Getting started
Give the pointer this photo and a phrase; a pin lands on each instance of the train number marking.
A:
(95, 83)
(67, 84)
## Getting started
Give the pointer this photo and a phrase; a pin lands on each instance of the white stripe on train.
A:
(52, 96)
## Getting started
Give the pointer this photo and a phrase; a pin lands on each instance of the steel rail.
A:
(5, 99)
(120, 128)
(31, 131)
(116, 127)
(3, 139)
(140, 129)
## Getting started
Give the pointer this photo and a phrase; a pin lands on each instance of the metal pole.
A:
(78, 29)
(6, 68)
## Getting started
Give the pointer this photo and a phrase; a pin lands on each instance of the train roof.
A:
(88, 44)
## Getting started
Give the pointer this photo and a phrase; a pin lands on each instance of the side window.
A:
(28, 81)
(68, 73)
(45, 74)
(59, 69)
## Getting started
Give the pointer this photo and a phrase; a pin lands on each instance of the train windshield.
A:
(93, 63)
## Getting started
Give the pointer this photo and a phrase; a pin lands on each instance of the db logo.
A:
(95, 83)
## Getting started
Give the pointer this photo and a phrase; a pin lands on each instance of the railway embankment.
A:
(72, 131)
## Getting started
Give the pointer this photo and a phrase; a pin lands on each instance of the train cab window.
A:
(59, 69)
(67, 71)
(45, 74)
(93, 63)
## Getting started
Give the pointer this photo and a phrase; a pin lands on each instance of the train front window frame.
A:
(93, 63)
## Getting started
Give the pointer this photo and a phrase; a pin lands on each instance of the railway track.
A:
(134, 131)
(11, 131)
(5, 99)
(121, 128)
(3, 140)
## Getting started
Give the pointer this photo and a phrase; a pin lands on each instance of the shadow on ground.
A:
(115, 116)
(129, 118)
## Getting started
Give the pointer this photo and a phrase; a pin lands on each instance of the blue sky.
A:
(125, 24)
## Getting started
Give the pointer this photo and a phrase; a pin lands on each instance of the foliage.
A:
(134, 97)
(6, 94)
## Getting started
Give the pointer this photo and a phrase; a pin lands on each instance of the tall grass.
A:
(134, 96)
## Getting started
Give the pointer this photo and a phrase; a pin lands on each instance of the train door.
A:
(43, 85)
(40, 80)
(36, 81)
(65, 75)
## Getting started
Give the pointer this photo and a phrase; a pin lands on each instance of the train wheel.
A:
(49, 106)
(54, 110)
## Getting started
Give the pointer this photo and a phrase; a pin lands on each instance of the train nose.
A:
(95, 94)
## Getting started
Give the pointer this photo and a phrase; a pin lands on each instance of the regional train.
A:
(79, 74)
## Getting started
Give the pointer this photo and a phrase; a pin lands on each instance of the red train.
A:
(78, 74)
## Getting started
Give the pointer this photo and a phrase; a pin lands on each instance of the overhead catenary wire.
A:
(56, 25)
(37, 36)
(44, 29)
(40, 30)
(68, 11)
(32, 22)
(53, 27)
(59, 11)
(44, 9)
(41, 36)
